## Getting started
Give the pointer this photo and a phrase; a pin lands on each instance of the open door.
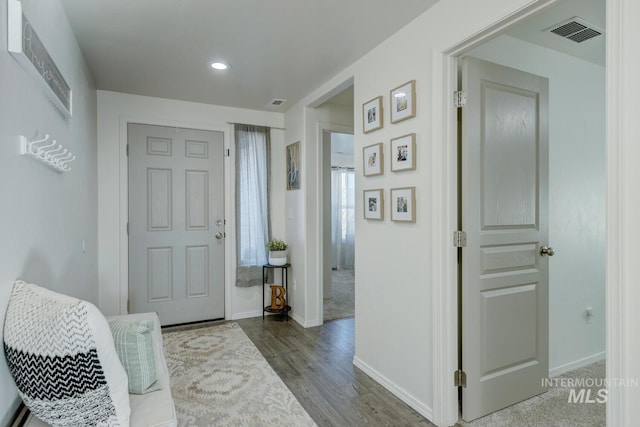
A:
(504, 180)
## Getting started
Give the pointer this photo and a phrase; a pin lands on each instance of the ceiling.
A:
(276, 48)
(592, 11)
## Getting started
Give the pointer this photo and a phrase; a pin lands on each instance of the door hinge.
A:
(127, 229)
(127, 149)
(459, 98)
(128, 307)
(459, 378)
(227, 152)
(459, 239)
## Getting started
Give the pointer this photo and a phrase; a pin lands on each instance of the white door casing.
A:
(504, 208)
(176, 223)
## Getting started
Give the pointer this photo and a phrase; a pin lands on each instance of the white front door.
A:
(176, 223)
(505, 278)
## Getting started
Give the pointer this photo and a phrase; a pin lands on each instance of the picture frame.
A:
(24, 44)
(293, 166)
(403, 153)
(372, 118)
(373, 204)
(403, 102)
(373, 160)
(403, 204)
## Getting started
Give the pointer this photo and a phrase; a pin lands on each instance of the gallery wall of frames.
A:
(402, 155)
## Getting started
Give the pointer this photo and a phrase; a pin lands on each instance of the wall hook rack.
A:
(48, 152)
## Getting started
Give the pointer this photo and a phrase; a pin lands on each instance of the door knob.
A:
(546, 250)
(218, 235)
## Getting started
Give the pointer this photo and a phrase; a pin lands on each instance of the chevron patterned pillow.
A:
(61, 355)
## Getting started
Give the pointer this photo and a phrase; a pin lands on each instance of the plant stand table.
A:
(284, 276)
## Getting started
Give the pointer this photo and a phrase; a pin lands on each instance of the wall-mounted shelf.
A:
(51, 153)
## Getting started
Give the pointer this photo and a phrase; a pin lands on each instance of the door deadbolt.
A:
(546, 250)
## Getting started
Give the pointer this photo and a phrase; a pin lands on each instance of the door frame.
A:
(323, 127)
(123, 194)
(445, 194)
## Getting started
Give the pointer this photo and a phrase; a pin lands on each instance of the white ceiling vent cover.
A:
(576, 29)
(274, 104)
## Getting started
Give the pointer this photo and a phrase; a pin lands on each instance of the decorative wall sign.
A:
(293, 166)
(373, 204)
(403, 204)
(372, 115)
(403, 153)
(373, 160)
(403, 102)
(27, 48)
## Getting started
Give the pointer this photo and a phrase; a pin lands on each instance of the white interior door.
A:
(176, 223)
(504, 178)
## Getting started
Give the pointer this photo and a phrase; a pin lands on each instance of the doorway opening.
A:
(334, 118)
(576, 182)
(339, 278)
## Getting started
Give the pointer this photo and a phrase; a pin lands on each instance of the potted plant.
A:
(277, 252)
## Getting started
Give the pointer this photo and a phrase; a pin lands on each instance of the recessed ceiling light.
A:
(218, 65)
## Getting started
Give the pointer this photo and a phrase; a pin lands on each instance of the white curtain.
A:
(252, 202)
(342, 218)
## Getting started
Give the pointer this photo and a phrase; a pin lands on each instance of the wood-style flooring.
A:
(317, 366)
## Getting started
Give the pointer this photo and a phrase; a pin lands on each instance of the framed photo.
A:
(372, 160)
(403, 153)
(403, 204)
(372, 115)
(403, 102)
(293, 166)
(373, 204)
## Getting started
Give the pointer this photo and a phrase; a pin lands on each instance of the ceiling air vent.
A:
(274, 104)
(576, 29)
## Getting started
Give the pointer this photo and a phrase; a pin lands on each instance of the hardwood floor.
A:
(317, 366)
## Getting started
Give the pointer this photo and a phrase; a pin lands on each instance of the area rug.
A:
(219, 378)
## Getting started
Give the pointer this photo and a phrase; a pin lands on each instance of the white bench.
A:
(155, 409)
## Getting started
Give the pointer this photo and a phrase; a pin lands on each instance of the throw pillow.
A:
(60, 352)
(134, 344)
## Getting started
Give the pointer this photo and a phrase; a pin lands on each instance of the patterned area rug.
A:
(219, 378)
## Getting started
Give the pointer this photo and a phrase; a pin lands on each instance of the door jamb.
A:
(445, 220)
(323, 127)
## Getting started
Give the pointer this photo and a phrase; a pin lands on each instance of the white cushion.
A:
(47, 333)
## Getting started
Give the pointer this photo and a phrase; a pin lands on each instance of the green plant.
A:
(276, 245)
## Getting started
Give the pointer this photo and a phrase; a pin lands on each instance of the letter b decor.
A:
(278, 301)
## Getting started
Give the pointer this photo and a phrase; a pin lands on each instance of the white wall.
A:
(576, 195)
(46, 216)
(393, 260)
(114, 111)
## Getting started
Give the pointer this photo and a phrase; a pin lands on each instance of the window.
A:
(252, 202)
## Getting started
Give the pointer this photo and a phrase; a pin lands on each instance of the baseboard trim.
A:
(399, 392)
(580, 363)
(246, 315)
